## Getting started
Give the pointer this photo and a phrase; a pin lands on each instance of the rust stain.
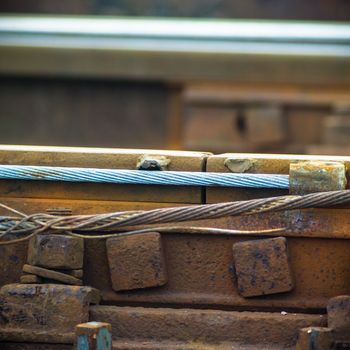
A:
(190, 279)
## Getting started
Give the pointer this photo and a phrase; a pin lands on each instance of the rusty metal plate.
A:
(136, 261)
(200, 272)
(56, 251)
(316, 176)
(99, 158)
(338, 310)
(13, 257)
(258, 164)
(318, 223)
(200, 266)
(162, 328)
(43, 312)
(262, 267)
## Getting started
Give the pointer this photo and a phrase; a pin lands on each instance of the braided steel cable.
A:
(27, 226)
(117, 176)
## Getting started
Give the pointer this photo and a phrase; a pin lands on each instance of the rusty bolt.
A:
(262, 267)
(148, 162)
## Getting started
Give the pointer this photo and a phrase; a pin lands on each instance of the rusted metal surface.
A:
(190, 272)
(338, 310)
(202, 329)
(148, 162)
(262, 164)
(75, 273)
(315, 338)
(199, 267)
(200, 273)
(136, 261)
(93, 336)
(30, 279)
(262, 267)
(316, 176)
(321, 223)
(34, 346)
(51, 275)
(43, 312)
(308, 223)
(12, 258)
(54, 258)
(56, 251)
(100, 158)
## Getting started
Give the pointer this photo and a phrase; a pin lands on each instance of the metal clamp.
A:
(316, 176)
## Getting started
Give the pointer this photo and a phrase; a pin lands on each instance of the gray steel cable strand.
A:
(166, 215)
(108, 221)
(30, 225)
(209, 211)
(189, 212)
(197, 212)
(319, 199)
(180, 178)
(186, 230)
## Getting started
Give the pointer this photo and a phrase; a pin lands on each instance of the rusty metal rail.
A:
(202, 50)
(30, 225)
(169, 271)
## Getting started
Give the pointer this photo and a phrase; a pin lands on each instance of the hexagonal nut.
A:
(262, 267)
(56, 251)
(136, 261)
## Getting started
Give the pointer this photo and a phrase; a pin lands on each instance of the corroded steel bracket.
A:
(300, 270)
(44, 313)
(316, 176)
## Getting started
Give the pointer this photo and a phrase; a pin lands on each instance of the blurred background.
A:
(211, 75)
